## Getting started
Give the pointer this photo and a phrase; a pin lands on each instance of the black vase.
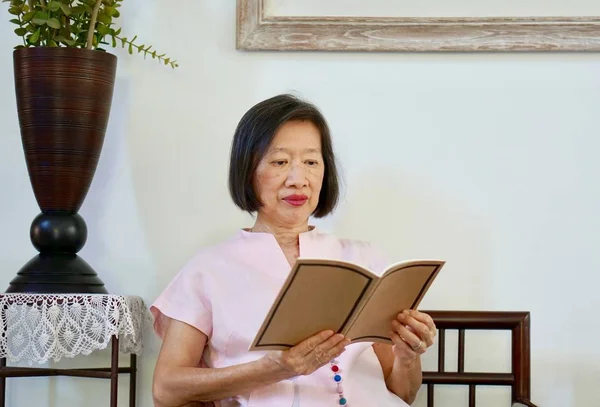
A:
(64, 98)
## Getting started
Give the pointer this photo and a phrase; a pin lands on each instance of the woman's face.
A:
(289, 177)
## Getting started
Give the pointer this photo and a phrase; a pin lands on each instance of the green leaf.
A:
(130, 48)
(52, 43)
(40, 18)
(14, 11)
(102, 29)
(114, 42)
(28, 16)
(15, 21)
(66, 9)
(105, 19)
(64, 40)
(21, 31)
(54, 5)
(42, 15)
(53, 23)
(78, 10)
(110, 11)
(33, 38)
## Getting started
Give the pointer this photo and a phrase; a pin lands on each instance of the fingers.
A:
(402, 348)
(424, 318)
(315, 352)
(404, 335)
(307, 346)
(421, 324)
(328, 349)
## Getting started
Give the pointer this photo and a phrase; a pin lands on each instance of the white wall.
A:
(486, 160)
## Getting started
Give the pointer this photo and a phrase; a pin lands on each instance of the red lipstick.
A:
(296, 200)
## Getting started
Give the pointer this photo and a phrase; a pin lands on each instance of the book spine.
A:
(363, 302)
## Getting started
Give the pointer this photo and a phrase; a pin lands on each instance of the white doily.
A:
(39, 327)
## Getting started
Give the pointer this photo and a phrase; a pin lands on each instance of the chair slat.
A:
(441, 350)
(461, 350)
(430, 389)
(472, 395)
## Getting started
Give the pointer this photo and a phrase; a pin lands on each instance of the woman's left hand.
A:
(412, 333)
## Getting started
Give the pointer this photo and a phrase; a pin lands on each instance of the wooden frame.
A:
(519, 379)
(259, 32)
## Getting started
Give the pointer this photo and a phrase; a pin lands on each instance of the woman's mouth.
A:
(296, 200)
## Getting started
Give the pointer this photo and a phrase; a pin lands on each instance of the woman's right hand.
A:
(310, 354)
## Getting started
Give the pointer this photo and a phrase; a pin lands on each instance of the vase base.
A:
(57, 273)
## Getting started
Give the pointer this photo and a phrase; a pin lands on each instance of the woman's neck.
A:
(286, 235)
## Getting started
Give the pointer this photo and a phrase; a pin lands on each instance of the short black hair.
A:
(251, 141)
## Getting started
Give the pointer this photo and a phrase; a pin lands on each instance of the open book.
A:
(322, 294)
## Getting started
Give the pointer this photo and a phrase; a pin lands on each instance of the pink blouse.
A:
(226, 290)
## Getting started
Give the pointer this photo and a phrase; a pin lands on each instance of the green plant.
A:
(74, 23)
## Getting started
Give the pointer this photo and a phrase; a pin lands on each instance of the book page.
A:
(398, 290)
(320, 295)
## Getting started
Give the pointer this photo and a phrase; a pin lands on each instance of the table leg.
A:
(132, 379)
(114, 371)
(2, 384)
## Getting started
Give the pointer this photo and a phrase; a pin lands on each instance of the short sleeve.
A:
(186, 299)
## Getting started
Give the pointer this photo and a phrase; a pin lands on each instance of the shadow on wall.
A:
(116, 246)
(180, 142)
(408, 220)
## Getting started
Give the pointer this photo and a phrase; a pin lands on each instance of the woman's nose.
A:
(296, 176)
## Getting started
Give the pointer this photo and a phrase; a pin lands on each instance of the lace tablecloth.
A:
(37, 328)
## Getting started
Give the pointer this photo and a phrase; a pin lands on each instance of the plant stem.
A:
(66, 24)
(21, 25)
(91, 29)
(43, 3)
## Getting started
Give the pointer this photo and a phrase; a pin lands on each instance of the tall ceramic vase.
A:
(64, 98)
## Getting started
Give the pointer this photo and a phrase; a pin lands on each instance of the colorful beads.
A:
(338, 379)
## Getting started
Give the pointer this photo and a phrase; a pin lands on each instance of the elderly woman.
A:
(282, 168)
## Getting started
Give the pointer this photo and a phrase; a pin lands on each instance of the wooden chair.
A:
(519, 378)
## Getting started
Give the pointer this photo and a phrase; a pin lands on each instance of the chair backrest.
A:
(518, 379)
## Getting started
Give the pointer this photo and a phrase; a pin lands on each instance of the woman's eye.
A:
(312, 163)
(279, 162)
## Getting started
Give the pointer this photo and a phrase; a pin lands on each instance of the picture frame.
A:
(257, 31)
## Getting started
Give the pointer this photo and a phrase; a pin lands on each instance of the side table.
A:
(37, 328)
